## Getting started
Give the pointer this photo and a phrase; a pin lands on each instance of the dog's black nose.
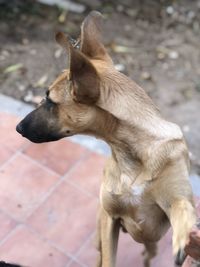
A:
(19, 128)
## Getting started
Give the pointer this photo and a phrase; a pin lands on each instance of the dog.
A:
(145, 186)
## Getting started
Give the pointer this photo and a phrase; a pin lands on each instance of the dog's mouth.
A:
(35, 137)
(43, 139)
(40, 139)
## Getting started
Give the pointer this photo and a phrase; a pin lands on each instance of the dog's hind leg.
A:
(149, 252)
(108, 233)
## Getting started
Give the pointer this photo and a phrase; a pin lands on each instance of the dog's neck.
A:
(126, 142)
(128, 102)
(132, 126)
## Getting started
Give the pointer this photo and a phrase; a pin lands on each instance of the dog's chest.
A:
(124, 198)
(137, 191)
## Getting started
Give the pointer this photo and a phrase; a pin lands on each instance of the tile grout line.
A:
(42, 238)
(22, 147)
(83, 157)
(61, 178)
(82, 190)
(48, 241)
(9, 160)
(77, 261)
(42, 166)
(10, 234)
(19, 224)
(85, 243)
(49, 169)
(71, 182)
(52, 189)
(81, 249)
(9, 216)
(15, 154)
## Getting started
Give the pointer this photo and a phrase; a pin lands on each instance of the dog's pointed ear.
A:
(91, 38)
(83, 75)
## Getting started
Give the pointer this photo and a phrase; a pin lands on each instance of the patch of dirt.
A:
(156, 43)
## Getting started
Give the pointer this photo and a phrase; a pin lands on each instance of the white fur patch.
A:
(164, 129)
(125, 179)
(138, 190)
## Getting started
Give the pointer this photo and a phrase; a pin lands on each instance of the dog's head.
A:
(70, 104)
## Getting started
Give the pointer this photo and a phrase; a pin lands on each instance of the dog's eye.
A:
(47, 93)
(49, 101)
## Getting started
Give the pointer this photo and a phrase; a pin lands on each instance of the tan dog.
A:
(145, 186)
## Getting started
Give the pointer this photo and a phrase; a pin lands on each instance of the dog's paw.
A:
(180, 257)
(183, 218)
(181, 235)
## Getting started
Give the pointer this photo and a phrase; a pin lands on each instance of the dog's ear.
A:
(83, 75)
(91, 39)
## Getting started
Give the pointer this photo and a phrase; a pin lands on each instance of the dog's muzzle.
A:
(37, 134)
(40, 125)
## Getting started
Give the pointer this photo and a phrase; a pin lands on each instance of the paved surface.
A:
(48, 203)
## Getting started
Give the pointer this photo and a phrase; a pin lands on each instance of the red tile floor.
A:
(48, 205)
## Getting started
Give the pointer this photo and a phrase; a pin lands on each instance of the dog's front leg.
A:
(181, 213)
(182, 217)
(108, 233)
